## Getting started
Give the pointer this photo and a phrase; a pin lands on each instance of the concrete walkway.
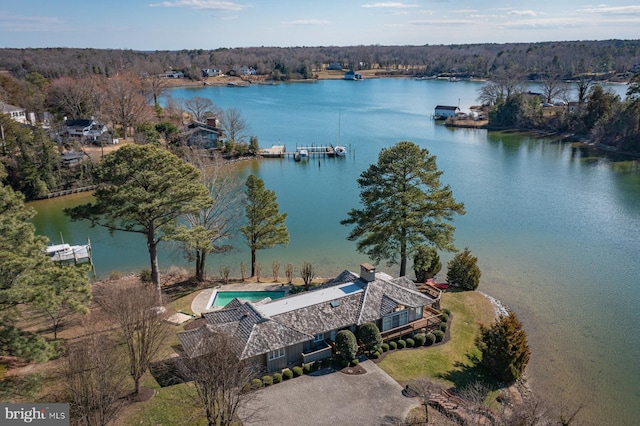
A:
(369, 399)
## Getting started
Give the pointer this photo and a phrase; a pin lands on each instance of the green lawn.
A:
(450, 362)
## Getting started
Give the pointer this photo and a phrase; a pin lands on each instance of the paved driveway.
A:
(334, 399)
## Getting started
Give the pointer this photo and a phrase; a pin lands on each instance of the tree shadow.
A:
(167, 373)
(471, 372)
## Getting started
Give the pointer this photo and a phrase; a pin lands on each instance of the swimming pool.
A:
(222, 298)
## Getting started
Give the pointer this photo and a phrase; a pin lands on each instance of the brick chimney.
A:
(367, 272)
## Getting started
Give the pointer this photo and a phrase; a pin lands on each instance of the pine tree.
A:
(505, 352)
(404, 206)
(266, 226)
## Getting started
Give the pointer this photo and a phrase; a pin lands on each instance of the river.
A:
(555, 228)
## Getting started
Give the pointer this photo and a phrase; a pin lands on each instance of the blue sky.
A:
(210, 24)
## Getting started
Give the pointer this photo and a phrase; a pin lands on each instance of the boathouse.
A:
(442, 112)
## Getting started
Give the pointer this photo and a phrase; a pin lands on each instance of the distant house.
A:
(204, 135)
(86, 128)
(352, 75)
(442, 112)
(16, 113)
(72, 158)
(301, 328)
(173, 74)
(334, 66)
(247, 71)
(211, 72)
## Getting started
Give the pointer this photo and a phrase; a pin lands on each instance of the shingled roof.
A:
(258, 328)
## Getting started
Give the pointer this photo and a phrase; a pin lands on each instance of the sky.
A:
(212, 24)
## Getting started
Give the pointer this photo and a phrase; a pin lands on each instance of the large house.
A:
(16, 113)
(300, 328)
(86, 128)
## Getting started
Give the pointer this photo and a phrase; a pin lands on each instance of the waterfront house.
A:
(301, 328)
(352, 75)
(16, 113)
(86, 128)
(442, 112)
(204, 135)
(172, 74)
(211, 72)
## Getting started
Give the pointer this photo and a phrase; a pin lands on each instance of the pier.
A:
(280, 151)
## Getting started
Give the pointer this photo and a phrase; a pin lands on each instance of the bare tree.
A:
(219, 378)
(552, 88)
(209, 230)
(95, 380)
(307, 272)
(70, 97)
(288, 272)
(275, 268)
(141, 322)
(200, 108)
(234, 125)
(124, 102)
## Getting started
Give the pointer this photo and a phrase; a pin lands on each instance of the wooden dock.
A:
(280, 151)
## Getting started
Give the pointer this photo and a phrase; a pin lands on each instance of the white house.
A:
(16, 113)
(211, 72)
(442, 112)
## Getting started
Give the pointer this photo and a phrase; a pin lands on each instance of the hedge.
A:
(267, 380)
(420, 339)
(297, 371)
(410, 342)
(439, 335)
(431, 338)
(287, 374)
(277, 377)
(402, 344)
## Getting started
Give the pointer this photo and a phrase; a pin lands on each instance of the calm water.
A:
(555, 230)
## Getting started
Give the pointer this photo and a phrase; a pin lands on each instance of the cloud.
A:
(388, 5)
(201, 4)
(14, 23)
(612, 10)
(442, 22)
(309, 22)
(522, 13)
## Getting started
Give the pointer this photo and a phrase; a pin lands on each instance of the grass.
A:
(450, 363)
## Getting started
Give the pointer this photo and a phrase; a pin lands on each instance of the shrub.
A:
(297, 371)
(445, 317)
(344, 363)
(420, 339)
(443, 326)
(287, 374)
(277, 377)
(439, 335)
(384, 347)
(327, 362)
(347, 344)
(370, 336)
(145, 276)
(267, 380)
(402, 344)
(354, 362)
(431, 338)
(375, 355)
(246, 387)
(115, 275)
(306, 368)
(317, 366)
(446, 311)
(393, 345)
(410, 342)
(256, 383)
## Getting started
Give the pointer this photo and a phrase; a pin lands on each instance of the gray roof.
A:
(255, 333)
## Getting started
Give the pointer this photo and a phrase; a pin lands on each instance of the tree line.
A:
(566, 58)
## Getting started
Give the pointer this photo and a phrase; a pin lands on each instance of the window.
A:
(278, 353)
(395, 320)
(318, 338)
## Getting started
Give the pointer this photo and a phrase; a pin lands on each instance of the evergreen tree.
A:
(404, 206)
(266, 227)
(505, 352)
(463, 270)
(144, 189)
(22, 257)
(346, 344)
(426, 263)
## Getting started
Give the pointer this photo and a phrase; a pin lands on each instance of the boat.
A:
(340, 151)
(68, 253)
(303, 153)
(296, 156)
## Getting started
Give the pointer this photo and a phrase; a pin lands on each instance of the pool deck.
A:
(200, 302)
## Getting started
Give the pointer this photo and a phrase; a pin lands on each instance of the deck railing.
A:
(430, 321)
(317, 355)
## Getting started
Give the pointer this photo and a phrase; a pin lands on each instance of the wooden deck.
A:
(430, 321)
